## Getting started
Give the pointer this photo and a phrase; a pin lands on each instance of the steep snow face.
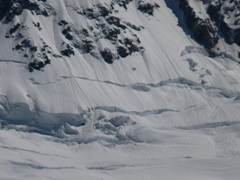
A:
(63, 60)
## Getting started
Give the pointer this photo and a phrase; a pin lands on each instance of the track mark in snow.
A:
(39, 167)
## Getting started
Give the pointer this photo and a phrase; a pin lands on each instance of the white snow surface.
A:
(170, 112)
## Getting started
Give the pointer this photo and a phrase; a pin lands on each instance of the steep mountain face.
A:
(63, 61)
(220, 20)
(210, 22)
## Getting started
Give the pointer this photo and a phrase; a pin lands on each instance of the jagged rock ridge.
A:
(219, 19)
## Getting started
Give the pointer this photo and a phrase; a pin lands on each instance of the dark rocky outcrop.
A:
(39, 57)
(147, 8)
(122, 51)
(107, 55)
(37, 65)
(109, 27)
(218, 13)
(86, 46)
(112, 20)
(67, 50)
(67, 33)
(25, 44)
(5, 6)
(11, 8)
(95, 12)
(136, 28)
(130, 44)
(202, 30)
(13, 30)
(123, 3)
(111, 34)
(223, 21)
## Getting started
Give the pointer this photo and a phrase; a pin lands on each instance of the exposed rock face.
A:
(147, 8)
(106, 26)
(11, 8)
(5, 6)
(122, 3)
(107, 56)
(202, 29)
(227, 18)
(223, 21)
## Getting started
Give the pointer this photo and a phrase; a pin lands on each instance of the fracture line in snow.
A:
(11, 61)
(180, 80)
(39, 167)
(211, 125)
(29, 151)
(112, 109)
(145, 87)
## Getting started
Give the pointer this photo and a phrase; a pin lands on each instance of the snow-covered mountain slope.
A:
(112, 57)
(159, 75)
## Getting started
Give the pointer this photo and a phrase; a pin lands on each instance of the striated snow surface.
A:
(167, 110)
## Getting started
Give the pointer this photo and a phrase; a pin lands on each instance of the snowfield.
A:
(205, 152)
(161, 108)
